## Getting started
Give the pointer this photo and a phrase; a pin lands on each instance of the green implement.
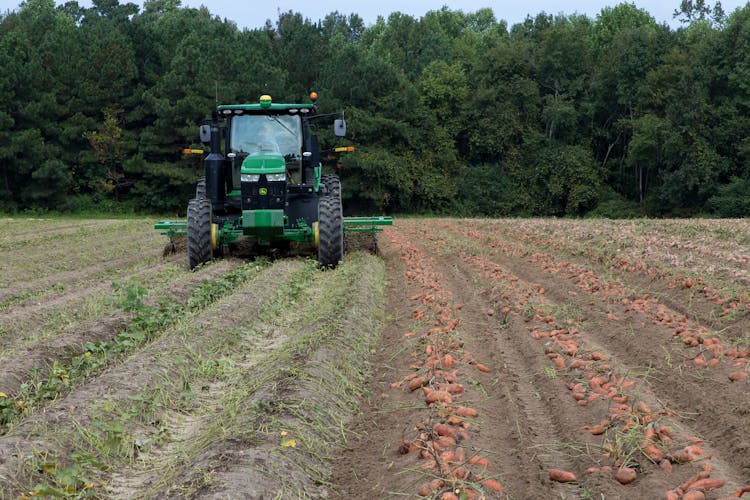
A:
(226, 234)
(171, 227)
(366, 224)
(351, 225)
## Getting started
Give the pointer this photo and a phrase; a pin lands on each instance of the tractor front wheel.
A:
(199, 249)
(330, 232)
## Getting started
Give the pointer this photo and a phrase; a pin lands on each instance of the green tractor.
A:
(263, 182)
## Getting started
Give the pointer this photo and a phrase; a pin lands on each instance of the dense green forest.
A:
(453, 112)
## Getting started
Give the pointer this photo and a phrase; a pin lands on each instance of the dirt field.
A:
(500, 358)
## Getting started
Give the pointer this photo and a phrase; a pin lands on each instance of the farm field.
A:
(509, 358)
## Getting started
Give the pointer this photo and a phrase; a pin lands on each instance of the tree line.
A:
(451, 113)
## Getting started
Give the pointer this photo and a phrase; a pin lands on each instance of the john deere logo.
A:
(263, 191)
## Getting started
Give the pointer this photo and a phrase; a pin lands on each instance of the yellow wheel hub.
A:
(316, 234)
(214, 236)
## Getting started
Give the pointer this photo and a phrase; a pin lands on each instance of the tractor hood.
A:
(264, 162)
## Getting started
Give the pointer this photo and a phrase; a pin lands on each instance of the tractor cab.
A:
(257, 142)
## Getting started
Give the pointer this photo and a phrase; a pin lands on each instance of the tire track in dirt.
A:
(76, 420)
(550, 434)
(366, 466)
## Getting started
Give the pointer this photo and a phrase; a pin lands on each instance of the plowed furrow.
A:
(113, 415)
(701, 291)
(535, 434)
(34, 317)
(24, 358)
(27, 241)
(76, 277)
(628, 353)
(295, 379)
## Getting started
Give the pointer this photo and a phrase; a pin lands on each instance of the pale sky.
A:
(254, 14)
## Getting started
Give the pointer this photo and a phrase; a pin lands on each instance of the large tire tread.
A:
(333, 185)
(199, 232)
(330, 232)
(200, 188)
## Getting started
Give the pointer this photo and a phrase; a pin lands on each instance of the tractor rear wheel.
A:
(330, 232)
(199, 249)
(333, 185)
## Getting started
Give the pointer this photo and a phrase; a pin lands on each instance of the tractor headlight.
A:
(249, 177)
(275, 177)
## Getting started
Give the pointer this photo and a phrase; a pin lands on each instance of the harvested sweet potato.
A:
(463, 411)
(444, 430)
(694, 495)
(625, 475)
(562, 476)
(492, 484)
(707, 484)
(417, 382)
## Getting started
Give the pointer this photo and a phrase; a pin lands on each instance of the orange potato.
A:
(653, 452)
(463, 411)
(444, 430)
(448, 361)
(694, 495)
(562, 476)
(446, 442)
(492, 484)
(439, 396)
(470, 494)
(417, 382)
(707, 484)
(455, 388)
(476, 460)
(625, 475)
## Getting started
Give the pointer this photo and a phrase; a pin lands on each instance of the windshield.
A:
(271, 133)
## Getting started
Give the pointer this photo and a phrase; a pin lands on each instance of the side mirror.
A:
(339, 127)
(205, 132)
